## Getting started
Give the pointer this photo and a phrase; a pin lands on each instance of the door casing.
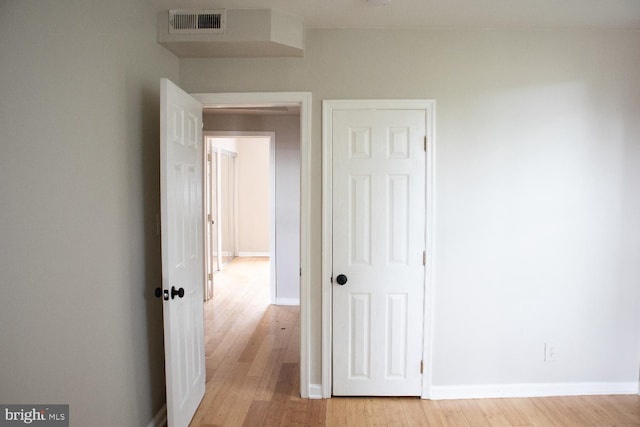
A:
(328, 107)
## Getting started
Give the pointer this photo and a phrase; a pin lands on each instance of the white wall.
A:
(538, 213)
(79, 194)
(253, 196)
(287, 209)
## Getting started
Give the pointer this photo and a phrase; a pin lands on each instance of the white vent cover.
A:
(196, 21)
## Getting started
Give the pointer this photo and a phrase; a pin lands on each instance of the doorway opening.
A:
(290, 217)
(239, 201)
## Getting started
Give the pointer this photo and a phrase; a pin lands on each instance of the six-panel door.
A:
(378, 243)
(182, 251)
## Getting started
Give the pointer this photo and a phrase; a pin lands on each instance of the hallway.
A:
(252, 354)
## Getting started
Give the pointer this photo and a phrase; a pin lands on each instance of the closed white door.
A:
(182, 251)
(378, 245)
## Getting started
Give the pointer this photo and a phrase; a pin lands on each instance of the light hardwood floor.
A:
(252, 352)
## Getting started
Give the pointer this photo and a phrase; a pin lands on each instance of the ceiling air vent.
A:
(196, 21)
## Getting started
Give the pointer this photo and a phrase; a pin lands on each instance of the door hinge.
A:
(208, 157)
(425, 143)
(209, 217)
(421, 367)
(424, 257)
(210, 276)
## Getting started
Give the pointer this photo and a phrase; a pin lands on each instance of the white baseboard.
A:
(530, 390)
(160, 420)
(254, 254)
(287, 301)
(315, 391)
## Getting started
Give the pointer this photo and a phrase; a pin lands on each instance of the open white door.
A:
(182, 251)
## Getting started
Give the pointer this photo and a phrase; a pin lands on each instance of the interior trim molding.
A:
(531, 390)
(160, 419)
(287, 301)
(315, 391)
(254, 254)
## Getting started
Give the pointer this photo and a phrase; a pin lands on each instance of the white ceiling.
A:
(614, 14)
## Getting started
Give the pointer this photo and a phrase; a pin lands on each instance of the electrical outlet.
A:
(550, 352)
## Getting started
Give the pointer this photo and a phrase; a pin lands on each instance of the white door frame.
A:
(303, 99)
(272, 192)
(328, 107)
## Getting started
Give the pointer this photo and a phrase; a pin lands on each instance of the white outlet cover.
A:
(550, 352)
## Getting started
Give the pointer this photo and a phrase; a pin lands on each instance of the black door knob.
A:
(341, 279)
(178, 292)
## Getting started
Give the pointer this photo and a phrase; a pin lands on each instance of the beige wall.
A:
(253, 195)
(538, 213)
(79, 194)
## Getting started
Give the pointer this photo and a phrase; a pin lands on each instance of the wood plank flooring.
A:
(252, 352)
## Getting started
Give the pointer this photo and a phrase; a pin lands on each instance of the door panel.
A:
(360, 335)
(182, 251)
(378, 242)
(360, 221)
